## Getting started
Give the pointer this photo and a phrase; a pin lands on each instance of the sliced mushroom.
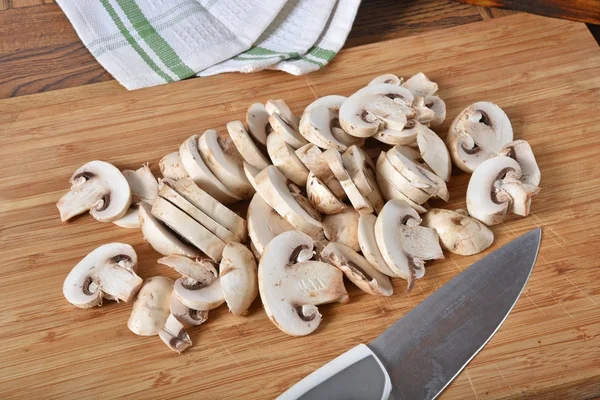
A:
(273, 188)
(321, 197)
(151, 308)
(478, 132)
(406, 136)
(200, 269)
(201, 174)
(143, 187)
(342, 228)
(170, 194)
(358, 201)
(160, 237)
(420, 85)
(362, 172)
(225, 162)
(520, 150)
(459, 233)
(257, 119)
(172, 167)
(173, 334)
(358, 269)
(211, 207)
(423, 114)
(186, 315)
(387, 78)
(312, 157)
(188, 228)
(376, 107)
(319, 122)
(239, 280)
(391, 174)
(199, 295)
(284, 157)
(434, 152)
(368, 244)
(289, 134)
(291, 291)
(438, 106)
(245, 145)
(281, 109)
(108, 271)
(495, 187)
(264, 223)
(390, 192)
(98, 187)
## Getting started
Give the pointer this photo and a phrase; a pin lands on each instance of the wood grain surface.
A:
(544, 73)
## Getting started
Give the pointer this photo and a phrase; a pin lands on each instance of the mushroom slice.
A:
(107, 271)
(486, 198)
(188, 228)
(257, 119)
(387, 78)
(477, 133)
(143, 187)
(186, 315)
(160, 237)
(291, 291)
(438, 106)
(434, 152)
(288, 134)
(420, 85)
(199, 295)
(390, 192)
(285, 158)
(368, 244)
(201, 174)
(239, 280)
(319, 122)
(210, 206)
(98, 187)
(362, 172)
(406, 136)
(225, 162)
(333, 104)
(171, 166)
(151, 308)
(358, 201)
(312, 157)
(423, 114)
(264, 223)
(281, 109)
(358, 269)
(168, 193)
(321, 197)
(520, 150)
(343, 228)
(203, 270)
(388, 172)
(173, 334)
(521, 195)
(459, 233)
(374, 107)
(245, 145)
(273, 188)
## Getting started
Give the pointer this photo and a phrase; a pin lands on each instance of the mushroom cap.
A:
(264, 223)
(201, 173)
(321, 197)
(98, 187)
(198, 295)
(239, 279)
(186, 315)
(420, 85)
(387, 78)
(246, 146)
(280, 108)
(312, 157)
(223, 159)
(257, 119)
(284, 157)
(375, 107)
(288, 133)
(342, 228)
(200, 269)
(368, 244)
(173, 334)
(477, 133)
(357, 269)
(171, 166)
(161, 238)
(434, 152)
(82, 287)
(152, 306)
(291, 291)
(459, 233)
(521, 151)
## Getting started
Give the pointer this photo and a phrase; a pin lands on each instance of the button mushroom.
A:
(495, 187)
(264, 223)
(438, 106)
(387, 78)
(406, 136)
(434, 152)
(108, 271)
(288, 134)
(320, 120)
(362, 172)
(521, 151)
(343, 228)
(281, 109)
(420, 85)
(391, 174)
(368, 244)
(321, 197)
(186, 315)
(171, 166)
(357, 269)
(174, 335)
(98, 187)
(257, 119)
(199, 295)
(245, 145)
(477, 133)
(290, 291)
(312, 157)
(284, 157)
(151, 308)
(143, 187)
(200, 269)
(459, 233)
(239, 281)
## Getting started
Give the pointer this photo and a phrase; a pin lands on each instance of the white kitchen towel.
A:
(150, 42)
(297, 27)
(328, 45)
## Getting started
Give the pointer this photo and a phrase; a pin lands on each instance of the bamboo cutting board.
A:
(544, 73)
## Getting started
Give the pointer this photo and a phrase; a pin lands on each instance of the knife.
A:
(420, 354)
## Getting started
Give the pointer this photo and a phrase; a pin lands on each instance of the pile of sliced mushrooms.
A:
(319, 207)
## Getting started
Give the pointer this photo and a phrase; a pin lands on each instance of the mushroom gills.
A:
(199, 295)
(186, 315)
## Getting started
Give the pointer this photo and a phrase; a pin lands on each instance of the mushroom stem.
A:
(173, 334)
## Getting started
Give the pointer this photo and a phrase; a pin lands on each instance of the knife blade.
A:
(420, 354)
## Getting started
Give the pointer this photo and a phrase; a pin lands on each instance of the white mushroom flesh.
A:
(199, 295)
(420, 85)
(368, 244)
(387, 78)
(362, 172)
(319, 122)
(358, 201)
(434, 152)
(203, 270)
(343, 228)
(171, 166)
(459, 233)
(289, 134)
(321, 197)
(151, 309)
(312, 157)
(284, 157)
(521, 151)
(173, 334)
(438, 106)
(144, 187)
(264, 223)
(186, 315)
(257, 119)
(388, 172)
(281, 109)
(246, 146)
(239, 279)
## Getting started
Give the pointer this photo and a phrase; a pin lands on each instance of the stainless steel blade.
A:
(425, 350)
